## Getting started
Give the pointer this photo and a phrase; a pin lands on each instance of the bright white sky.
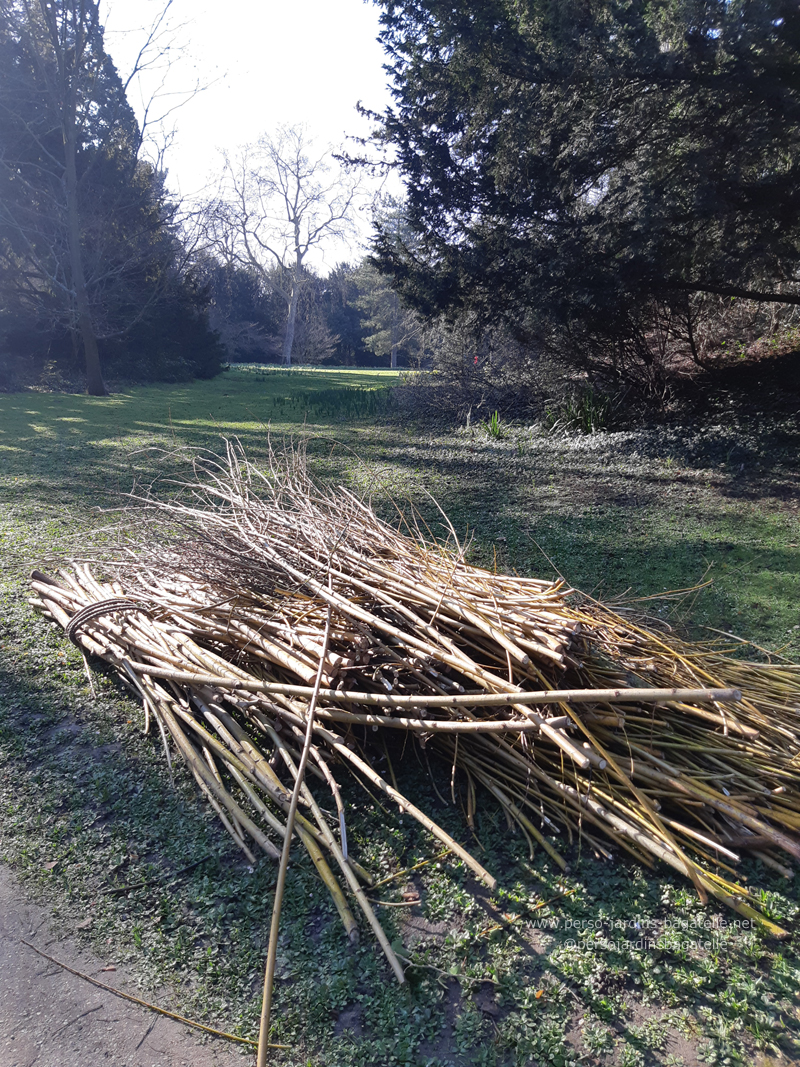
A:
(264, 62)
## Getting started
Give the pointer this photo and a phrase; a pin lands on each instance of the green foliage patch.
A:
(586, 411)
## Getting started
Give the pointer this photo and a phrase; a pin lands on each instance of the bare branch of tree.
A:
(278, 200)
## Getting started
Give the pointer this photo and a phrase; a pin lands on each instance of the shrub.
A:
(584, 411)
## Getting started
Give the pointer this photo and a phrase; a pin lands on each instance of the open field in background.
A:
(645, 511)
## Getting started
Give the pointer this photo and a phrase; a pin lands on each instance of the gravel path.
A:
(51, 1018)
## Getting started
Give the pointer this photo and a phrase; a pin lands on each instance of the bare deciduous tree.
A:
(278, 200)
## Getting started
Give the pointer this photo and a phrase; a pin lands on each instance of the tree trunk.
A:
(95, 386)
(393, 358)
(288, 340)
(297, 279)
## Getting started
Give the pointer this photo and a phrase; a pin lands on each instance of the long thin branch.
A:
(272, 951)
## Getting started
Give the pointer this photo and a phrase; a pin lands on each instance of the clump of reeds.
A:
(574, 718)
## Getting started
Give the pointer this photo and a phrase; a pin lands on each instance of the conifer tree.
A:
(569, 161)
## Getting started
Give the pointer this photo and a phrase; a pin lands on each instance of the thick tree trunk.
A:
(297, 281)
(95, 386)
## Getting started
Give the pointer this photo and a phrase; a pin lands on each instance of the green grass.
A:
(79, 784)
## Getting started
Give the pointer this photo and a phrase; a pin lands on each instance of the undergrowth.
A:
(584, 411)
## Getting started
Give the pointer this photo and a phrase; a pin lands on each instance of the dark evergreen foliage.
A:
(344, 317)
(250, 317)
(173, 341)
(246, 317)
(575, 166)
(148, 313)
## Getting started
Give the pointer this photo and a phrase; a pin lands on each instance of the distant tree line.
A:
(277, 201)
(100, 277)
(612, 185)
(350, 317)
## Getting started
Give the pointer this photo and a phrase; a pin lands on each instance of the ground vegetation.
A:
(89, 813)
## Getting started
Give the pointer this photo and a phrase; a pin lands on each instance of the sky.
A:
(260, 63)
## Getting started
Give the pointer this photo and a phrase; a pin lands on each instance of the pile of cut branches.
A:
(263, 591)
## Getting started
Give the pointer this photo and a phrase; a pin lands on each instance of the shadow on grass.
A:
(87, 807)
(606, 522)
(80, 787)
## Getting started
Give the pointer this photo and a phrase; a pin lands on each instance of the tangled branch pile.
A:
(574, 718)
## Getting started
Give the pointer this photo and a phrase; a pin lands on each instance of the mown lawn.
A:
(496, 981)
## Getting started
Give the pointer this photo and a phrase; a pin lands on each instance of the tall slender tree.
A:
(55, 78)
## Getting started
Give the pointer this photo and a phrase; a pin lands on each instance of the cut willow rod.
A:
(361, 897)
(482, 699)
(272, 950)
(441, 726)
(337, 743)
(143, 1003)
(195, 763)
(243, 600)
(647, 805)
(709, 796)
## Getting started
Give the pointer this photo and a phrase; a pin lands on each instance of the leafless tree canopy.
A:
(278, 200)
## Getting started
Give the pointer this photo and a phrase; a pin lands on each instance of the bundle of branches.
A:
(264, 591)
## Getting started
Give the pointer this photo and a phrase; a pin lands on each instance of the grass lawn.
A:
(500, 980)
